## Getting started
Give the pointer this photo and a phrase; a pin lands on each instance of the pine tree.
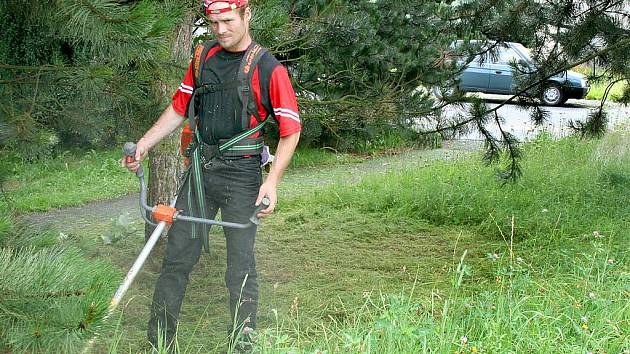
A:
(84, 71)
(561, 35)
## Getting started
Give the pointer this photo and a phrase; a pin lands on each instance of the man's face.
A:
(231, 30)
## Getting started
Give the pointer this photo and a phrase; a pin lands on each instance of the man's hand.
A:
(285, 149)
(267, 189)
(142, 151)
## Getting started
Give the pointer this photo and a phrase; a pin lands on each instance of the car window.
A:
(505, 56)
(479, 60)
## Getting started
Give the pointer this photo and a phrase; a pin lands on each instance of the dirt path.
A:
(295, 181)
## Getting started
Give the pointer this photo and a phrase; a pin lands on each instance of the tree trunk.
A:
(165, 164)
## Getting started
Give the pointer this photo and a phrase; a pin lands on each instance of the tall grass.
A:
(566, 187)
(598, 89)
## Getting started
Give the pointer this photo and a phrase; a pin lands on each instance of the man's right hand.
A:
(141, 153)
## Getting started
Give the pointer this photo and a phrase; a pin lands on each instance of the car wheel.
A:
(552, 95)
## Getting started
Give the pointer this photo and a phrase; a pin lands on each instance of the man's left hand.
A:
(267, 189)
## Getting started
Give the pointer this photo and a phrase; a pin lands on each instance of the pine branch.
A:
(35, 67)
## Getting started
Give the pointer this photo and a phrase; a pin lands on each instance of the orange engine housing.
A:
(185, 139)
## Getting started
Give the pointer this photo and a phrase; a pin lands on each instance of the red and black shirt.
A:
(221, 119)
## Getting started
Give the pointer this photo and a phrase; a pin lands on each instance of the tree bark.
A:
(165, 163)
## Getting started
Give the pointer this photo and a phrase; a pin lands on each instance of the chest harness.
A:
(198, 153)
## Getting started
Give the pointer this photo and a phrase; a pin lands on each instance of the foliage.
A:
(81, 73)
(561, 34)
(52, 301)
(356, 64)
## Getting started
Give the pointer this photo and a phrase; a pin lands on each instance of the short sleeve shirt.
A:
(270, 84)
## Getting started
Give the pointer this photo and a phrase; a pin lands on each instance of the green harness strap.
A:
(231, 147)
(194, 178)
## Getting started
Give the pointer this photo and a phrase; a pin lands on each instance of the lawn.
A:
(417, 253)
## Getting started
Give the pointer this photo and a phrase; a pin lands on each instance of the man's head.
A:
(229, 21)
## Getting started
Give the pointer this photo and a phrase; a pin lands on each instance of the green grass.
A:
(73, 178)
(570, 188)
(311, 157)
(417, 258)
(581, 307)
(599, 88)
(77, 177)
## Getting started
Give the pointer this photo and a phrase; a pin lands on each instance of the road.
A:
(518, 122)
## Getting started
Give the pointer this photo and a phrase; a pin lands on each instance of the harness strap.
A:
(244, 77)
(195, 185)
(194, 177)
(199, 57)
(211, 88)
(235, 146)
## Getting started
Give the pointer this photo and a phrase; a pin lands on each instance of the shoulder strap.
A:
(201, 52)
(199, 59)
(245, 74)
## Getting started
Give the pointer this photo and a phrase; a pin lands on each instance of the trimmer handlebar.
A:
(129, 149)
(169, 214)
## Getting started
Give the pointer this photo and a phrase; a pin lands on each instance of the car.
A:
(494, 74)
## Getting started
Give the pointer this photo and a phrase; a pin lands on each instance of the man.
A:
(232, 184)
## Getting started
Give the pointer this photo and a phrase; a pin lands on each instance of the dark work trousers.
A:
(231, 186)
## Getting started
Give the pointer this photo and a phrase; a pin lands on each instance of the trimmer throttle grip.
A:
(129, 149)
(264, 204)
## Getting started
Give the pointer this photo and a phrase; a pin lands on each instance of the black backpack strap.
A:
(199, 58)
(245, 74)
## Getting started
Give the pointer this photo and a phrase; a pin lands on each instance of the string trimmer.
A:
(163, 214)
